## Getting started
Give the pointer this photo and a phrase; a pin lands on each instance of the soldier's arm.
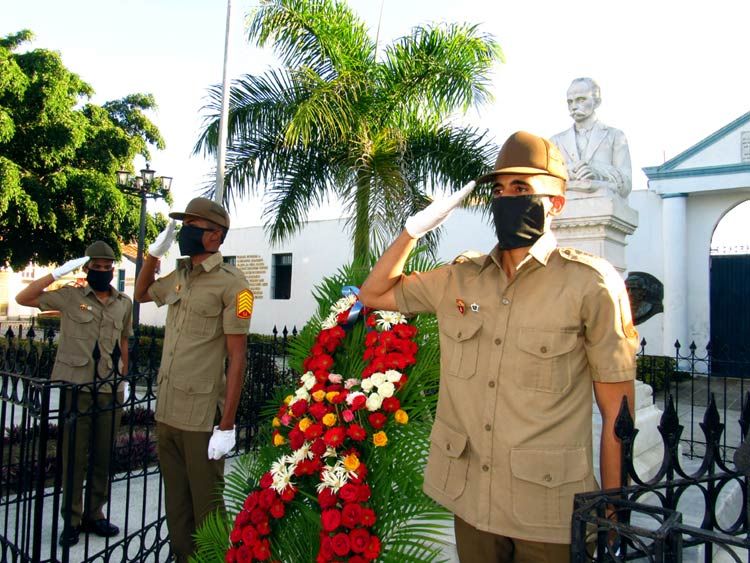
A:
(378, 291)
(29, 296)
(145, 279)
(608, 398)
(237, 355)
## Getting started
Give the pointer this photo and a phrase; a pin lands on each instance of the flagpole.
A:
(222, 144)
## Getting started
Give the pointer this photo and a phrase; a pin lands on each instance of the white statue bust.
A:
(597, 155)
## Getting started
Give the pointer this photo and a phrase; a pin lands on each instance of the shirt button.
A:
(506, 301)
(498, 341)
(448, 447)
(543, 349)
(491, 384)
(459, 334)
(547, 477)
(485, 468)
(487, 427)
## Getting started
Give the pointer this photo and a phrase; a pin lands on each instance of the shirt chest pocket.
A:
(204, 318)
(460, 342)
(83, 326)
(545, 361)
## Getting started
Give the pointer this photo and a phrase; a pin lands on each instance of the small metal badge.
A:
(178, 287)
(84, 307)
(475, 307)
(461, 306)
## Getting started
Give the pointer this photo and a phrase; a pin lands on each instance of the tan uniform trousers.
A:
(193, 484)
(96, 427)
(476, 546)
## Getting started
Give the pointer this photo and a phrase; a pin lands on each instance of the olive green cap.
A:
(100, 249)
(205, 209)
(524, 153)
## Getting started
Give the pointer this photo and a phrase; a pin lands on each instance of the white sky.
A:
(671, 72)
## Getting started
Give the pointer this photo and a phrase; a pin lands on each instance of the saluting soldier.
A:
(525, 333)
(93, 316)
(208, 319)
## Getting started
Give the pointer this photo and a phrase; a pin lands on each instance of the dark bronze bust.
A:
(646, 295)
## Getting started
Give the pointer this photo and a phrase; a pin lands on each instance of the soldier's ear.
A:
(558, 203)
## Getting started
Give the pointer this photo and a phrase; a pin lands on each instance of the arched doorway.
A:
(730, 293)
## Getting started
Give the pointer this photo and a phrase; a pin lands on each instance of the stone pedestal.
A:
(648, 447)
(597, 224)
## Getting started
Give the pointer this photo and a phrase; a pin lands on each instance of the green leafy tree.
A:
(338, 119)
(58, 158)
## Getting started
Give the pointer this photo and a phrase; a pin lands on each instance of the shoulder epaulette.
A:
(597, 263)
(466, 256)
(234, 270)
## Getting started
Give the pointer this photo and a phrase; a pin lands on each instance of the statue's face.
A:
(581, 101)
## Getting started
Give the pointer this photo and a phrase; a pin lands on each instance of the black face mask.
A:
(99, 281)
(519, 220)
(190, 240)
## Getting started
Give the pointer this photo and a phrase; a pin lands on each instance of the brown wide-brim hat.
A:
(524, 153)
(100, 249)
(204, 208)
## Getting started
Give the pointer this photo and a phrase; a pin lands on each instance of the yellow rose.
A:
(278, 440)
(304, 424)
(380, 439)
(276, 422)
(319, 395)
(288, 399)
(329, 419)
(331, 395)
(401, 416)
(351, 462)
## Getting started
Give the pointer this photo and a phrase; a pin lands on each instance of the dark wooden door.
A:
(730, 315)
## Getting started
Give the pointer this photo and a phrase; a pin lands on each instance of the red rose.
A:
(373, 548)
(341, 397)
(262, 550)
(316, 350)
(391, 404)
(334, 437)
(243, 518)
(358, 402)
(318, 447)
(356, 432)
(277, 509)
(321, 376)
(351, 516)
(326, 498)
(266, 498)
(264, 528)
(364, 493)
(405, 331)
(231, 555)
(307, 467)
(349, 492)
(296, 438)
(402, 381)
(326, 551)
(288, 494)
(314, 431)
(235, 536)
(282, 410)
(361, 472)
(340, 544)
(358, 540)
(371, 338)
(249, 535)
(337, 332)
(356, 558)
(244, 554)
(331, 519)
(368, 517)
(251, 501)
(258, 515)
(342, 317)
(371, 321)
(267, 480)
(377, 420)
(319, 410)
(299, 408)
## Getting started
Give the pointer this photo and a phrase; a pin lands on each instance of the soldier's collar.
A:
(212, 262)
(540, 251)
(87, 290)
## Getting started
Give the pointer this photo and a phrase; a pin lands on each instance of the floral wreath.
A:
(320, 430)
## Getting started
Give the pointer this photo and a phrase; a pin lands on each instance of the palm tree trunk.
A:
(362, 221)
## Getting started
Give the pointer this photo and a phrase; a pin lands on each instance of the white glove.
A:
(159, 247)
(221, 443)
(69, 266)
(436, 213)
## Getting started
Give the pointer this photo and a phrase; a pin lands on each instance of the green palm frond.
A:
(212, 540)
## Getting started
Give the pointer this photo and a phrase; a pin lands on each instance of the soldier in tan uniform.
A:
(208, 319)
(93, 316)
(526, 332)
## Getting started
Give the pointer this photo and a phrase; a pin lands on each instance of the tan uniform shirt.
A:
(511, 443)
(85, 321)
(203, 308)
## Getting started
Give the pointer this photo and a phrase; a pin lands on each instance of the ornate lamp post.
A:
(145, 186)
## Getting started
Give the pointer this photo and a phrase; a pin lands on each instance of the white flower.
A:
(335, 378)
(393, 376)
(335, 477)
(351, 382)
(377, 378)
(308, 380)
(374, 402)
(386, 389)
(329, 322)
(367, 384)
(299, 394)
(282, 474)
(301, 453)
(344, 303)
(330, 452)
(351, 396)
(388, 319)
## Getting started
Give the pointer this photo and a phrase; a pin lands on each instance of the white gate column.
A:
(674, 221)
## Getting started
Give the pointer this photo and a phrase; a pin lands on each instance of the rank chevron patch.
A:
(245, 304)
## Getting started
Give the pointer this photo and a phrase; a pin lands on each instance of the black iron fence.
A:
(52, 429)
(689, 510)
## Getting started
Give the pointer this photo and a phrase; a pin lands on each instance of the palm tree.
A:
(339, 120)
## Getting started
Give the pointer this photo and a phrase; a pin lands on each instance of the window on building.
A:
(231, 260)
(281, 276)
(120, 280)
